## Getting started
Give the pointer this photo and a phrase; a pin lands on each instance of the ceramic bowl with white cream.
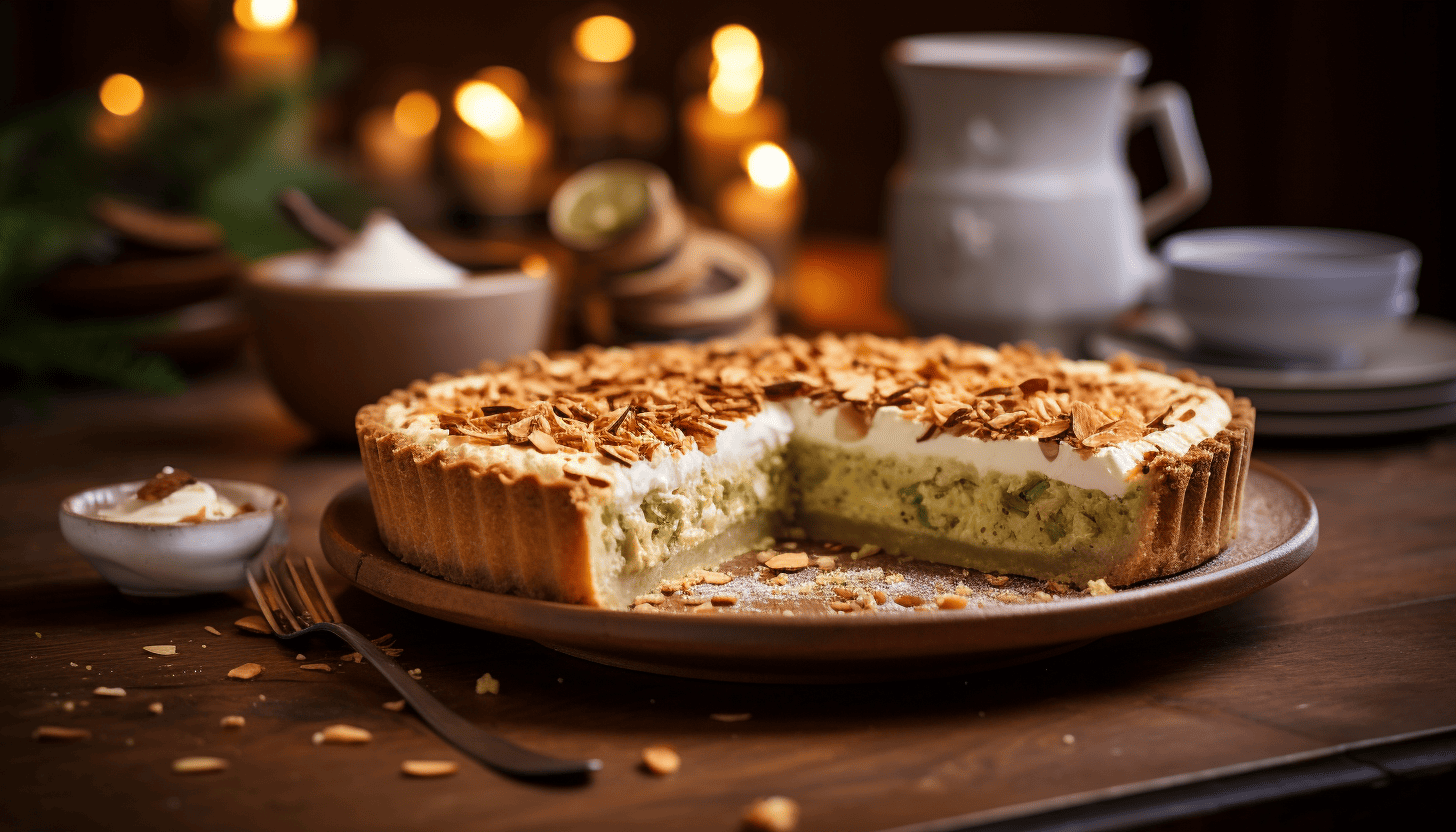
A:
(199, 538)
(339, 329)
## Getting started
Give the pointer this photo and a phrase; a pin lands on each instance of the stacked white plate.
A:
(1407, 382)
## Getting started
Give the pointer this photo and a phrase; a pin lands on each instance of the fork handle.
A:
(501, 755)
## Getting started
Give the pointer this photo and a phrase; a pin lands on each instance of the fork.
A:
(291, 612)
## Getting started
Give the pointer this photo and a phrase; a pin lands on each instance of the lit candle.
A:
(120, 117)
(264, 46)
(719, 126)
(499, 154)
(396, 142)
(589, 76)
(766, 206)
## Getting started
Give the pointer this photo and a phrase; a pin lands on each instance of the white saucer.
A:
(1407, 383)
(1424, 352)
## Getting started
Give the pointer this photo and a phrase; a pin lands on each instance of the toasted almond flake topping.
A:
(343, 735)
(253, 624)
(213, 630)
(162, 649)
(320, 667)
(233, 721)
(661, 759)
(909, 600)
(198, 765)
(245, 671)
(155, 707)
(998, 580)
(164, 483)
(724, 600)
(772, 814)
(631, 404)
(429, 768)
(825, 563)
(950, 602)
(1098, 586)
(58, 733)
(543, 442)
(396, 705)
(109, 692)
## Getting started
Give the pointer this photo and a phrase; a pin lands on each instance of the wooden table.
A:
(1339, 677)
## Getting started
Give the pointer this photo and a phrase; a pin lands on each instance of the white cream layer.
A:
(1111, 470)
(190, 502)
(741, 443)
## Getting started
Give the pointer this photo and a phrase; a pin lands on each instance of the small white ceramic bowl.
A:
(1316, 295)
(175, 559)
(330, 350)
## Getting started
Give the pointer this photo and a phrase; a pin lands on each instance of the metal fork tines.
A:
(294, 607)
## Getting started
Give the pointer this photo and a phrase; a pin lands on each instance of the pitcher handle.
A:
(1166, 105)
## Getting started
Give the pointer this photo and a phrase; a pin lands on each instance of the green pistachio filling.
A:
(949, 512)
(667, 522)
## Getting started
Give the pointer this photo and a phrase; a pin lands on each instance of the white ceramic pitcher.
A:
(1013, 213)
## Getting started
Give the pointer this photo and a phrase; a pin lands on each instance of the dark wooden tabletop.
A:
(1339, 676)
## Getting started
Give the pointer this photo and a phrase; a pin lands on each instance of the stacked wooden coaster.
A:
(651, 274)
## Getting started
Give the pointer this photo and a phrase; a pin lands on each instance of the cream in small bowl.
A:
(174, 535)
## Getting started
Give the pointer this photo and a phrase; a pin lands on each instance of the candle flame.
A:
(735, 46)
(416, 114)
(737, 70)
(603, 39)
(485, 107)
(264, 15)
(122, 94)
(768, 166)
(508, 80)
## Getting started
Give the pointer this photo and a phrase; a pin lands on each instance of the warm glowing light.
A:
(264, 15)
(485, 107)
(735, 47)
(603, 39)
(737, 90)
(768, 165)
(737, 70)
(536, 265)
(510, 81)
(122, 94)
(416, 114)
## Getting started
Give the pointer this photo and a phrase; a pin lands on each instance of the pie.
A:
(592, 477)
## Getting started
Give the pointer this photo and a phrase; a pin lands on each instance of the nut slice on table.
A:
(199, 765)
(429, 768)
